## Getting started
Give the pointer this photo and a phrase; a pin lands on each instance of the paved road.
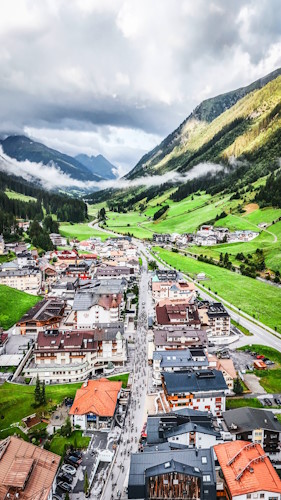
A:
(137, 409)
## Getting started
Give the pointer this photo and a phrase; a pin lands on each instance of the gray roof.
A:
(200, 381)
(151, 462)
(246, 419)
(180, 358)
(160, 427)
(26, 271)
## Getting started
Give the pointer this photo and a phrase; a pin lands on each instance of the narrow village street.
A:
(136, 417)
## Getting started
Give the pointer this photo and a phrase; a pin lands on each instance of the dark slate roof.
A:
(180, 358)
(246, 419)
(160, 427)
(217, 309)
(143, 463)
(201, 381)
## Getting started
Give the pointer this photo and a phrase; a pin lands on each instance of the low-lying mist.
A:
(51, 177)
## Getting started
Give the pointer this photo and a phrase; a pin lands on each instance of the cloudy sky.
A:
(116, 76)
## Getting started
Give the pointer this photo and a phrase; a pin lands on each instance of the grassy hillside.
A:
(14, 304)
(18, 196)
(80, 231)
(251, 296)
(232, 124)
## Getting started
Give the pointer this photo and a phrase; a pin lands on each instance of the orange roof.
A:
(98, 397)
(26, 469)
(246, 468)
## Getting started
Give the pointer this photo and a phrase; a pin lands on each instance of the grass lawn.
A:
(18, 196)
(14, 304)
(11, 431)
(122, 378)
(241, 402)
(76, 439)
(254, 297)
(16, 401)
(80, 231)
(7, 258)
(270, 380)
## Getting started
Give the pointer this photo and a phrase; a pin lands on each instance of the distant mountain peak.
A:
(98, 165)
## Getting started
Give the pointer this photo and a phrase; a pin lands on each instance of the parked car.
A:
(64, 476)
(277, 401)
(73, 461)
(64, 486)
(118, 494)
(69, 469)
(267, 402)
(260, 356)
(76, 454)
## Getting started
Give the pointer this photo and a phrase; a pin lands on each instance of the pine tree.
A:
(237, 386)
(37, 392)
(43, 394)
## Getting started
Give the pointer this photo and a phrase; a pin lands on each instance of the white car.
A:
(69, 469)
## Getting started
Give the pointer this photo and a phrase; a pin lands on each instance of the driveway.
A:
(252, 381)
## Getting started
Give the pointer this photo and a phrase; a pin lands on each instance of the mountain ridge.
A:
(98, 165)
(203, 115)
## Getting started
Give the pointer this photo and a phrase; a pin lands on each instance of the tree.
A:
(37, 392)
(86, 482)
(66, 428)
(237, 386)
(66, 496)
(43, 394)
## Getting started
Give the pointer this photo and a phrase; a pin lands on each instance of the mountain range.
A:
(82, 168)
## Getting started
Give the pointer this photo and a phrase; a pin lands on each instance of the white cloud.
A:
(128, 64)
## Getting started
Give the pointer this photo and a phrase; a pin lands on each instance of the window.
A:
(262, 495)
(207, 478)
(204, 460)
(248, 495)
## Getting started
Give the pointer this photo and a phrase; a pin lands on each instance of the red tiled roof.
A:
(26, 469)
(246, 468)
(98, 397)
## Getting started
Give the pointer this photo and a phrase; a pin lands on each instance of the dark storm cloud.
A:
(118, 75)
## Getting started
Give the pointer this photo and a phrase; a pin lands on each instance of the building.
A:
(161, 238)
(226, 366)
(178, 360)
(179, 313)
(100, 302)
(172, 290)
(47, 313)
(58, 240)
(255, 425)
(216, 319)
(188, 473)
(165, 275)
(71, 356)
(185, 427)
(179, 337)
(203, 390)
(247, 472)
(95, 404)
(114, 272)
(26, 471)
(25, 259)
(27, 279)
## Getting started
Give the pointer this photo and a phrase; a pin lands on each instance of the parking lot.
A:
(87, 458)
